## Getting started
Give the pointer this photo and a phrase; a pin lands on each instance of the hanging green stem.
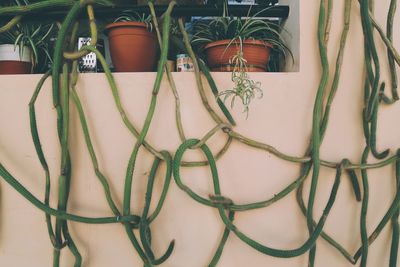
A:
(211, 133)
(58, 213)
(225, 235)
(71, 245)
(389, 33)
(372, 135)
(132, 161)
(168, 161)
(144, 225)
(328, 23)
(325, 236)
(268, 148)
(57, 57)
(199, 83)
(306, 168)
(65, 171)
(170, 78)
(338, 67)
(316, 124)
(294, 252)
(364, 209)
(370, 45)
(385, 39)
(394, 248)
(102, 178)
(93, 36)
(205, 70)
(146, 126)
(74, 79)
(394, 206)
(9, 25)
(117, 99)
(42, 159)
(354, 180)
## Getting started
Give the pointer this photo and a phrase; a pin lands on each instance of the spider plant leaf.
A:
(21, 50)
(34, 50)
(35, 31)
(48, 56)
(18, 39)
(48, 32)
(233, 101)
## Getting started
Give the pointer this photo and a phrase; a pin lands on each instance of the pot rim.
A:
(245, 42)
(131, 24)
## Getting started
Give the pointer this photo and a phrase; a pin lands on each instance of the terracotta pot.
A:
(133, 48)
(12, 63)
(254, 51)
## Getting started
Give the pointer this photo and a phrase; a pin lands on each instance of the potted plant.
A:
(222, 38)
(133, 45)
(24, 47)
(239, 46)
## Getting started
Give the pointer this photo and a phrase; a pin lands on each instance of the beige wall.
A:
(292, 33)
(282, 118)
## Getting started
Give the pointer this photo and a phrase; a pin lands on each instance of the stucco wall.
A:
(282, 118)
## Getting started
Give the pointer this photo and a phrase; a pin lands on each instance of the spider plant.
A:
(30, 34)
(236, 30)
(244, 87)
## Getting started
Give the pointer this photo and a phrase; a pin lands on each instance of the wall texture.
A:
(282, 118)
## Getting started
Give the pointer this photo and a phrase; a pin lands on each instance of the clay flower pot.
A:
(132, 47)
(254, 51)
(12, 63)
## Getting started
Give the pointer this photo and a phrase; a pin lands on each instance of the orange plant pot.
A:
(254, 51)
(132, 47)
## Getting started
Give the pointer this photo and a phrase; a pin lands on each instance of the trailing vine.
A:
(138, 227)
